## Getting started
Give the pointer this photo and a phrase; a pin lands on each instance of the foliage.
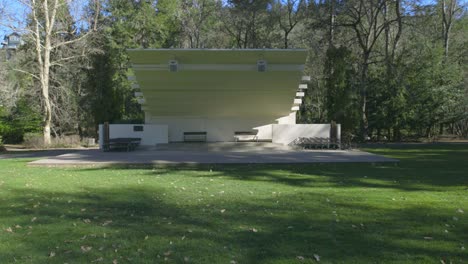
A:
(22, 119)
(340, 87)
(384, 69)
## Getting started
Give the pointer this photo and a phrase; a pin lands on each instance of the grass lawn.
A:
(413, 212)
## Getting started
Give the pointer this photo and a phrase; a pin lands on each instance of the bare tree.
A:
(367, 20)
(448, 9)
(9, 91)
(194, 17)
(289, 13)
(244, 20)
(48, 34)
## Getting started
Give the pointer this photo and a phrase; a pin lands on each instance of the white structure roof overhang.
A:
(218, 83)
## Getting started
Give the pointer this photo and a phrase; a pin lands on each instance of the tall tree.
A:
(366, 19)
(48, 34)
(246, 22)
(289, 13)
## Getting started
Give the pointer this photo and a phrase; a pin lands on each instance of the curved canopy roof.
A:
(218, 83)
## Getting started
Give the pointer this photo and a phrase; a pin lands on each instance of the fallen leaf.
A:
(51, 254)
(186, 259)
(115, 261)
(107, 222)
(168, 253)
(98, 259)
(223, 210)
(317, 257)
(428, 238)
(9, 230)
(33, 219)
(301, 258)
(460, 211)
(85, 249)
(254, 230)
(87, 221)
(233, 262)
(146, 237)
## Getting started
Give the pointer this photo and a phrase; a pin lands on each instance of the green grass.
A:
(413, 212)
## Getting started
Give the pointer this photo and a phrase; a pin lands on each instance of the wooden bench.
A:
(245, 136)
(194, 136)
(127, 144)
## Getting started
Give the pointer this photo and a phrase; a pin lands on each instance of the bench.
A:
(127, 144)
(194, 136)
(245, 136)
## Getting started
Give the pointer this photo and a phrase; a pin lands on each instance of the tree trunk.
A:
(364, 120)
(332, 24)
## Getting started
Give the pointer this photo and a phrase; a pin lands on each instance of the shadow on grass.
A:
(142, 225)
(428, 167)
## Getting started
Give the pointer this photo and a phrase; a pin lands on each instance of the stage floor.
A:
(210, 153)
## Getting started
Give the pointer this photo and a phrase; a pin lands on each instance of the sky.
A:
(17, 12)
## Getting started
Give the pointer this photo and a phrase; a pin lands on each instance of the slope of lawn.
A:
(412, 212)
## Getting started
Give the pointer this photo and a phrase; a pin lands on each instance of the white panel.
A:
(306, 78)
(297, 101)
(138, 94)
(338, 131)
(100, 136)
(135, 86)
(300, 94)
(303, 86)
(285, 134)
(141, 100)
(295, 108)
(131, 78)
(289, 119)
(264, 132)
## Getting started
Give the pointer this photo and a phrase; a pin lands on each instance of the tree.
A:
(49, 35)
(289, 13)
(198, 19)
(366, 19)
(247, 23)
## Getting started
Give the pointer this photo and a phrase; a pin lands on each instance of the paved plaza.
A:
(210, 153)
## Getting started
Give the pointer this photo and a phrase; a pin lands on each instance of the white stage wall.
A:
(218, 129)
(150, 136)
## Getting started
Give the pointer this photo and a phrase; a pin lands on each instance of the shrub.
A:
(66, 141)
(33, 140)
(36, 140)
